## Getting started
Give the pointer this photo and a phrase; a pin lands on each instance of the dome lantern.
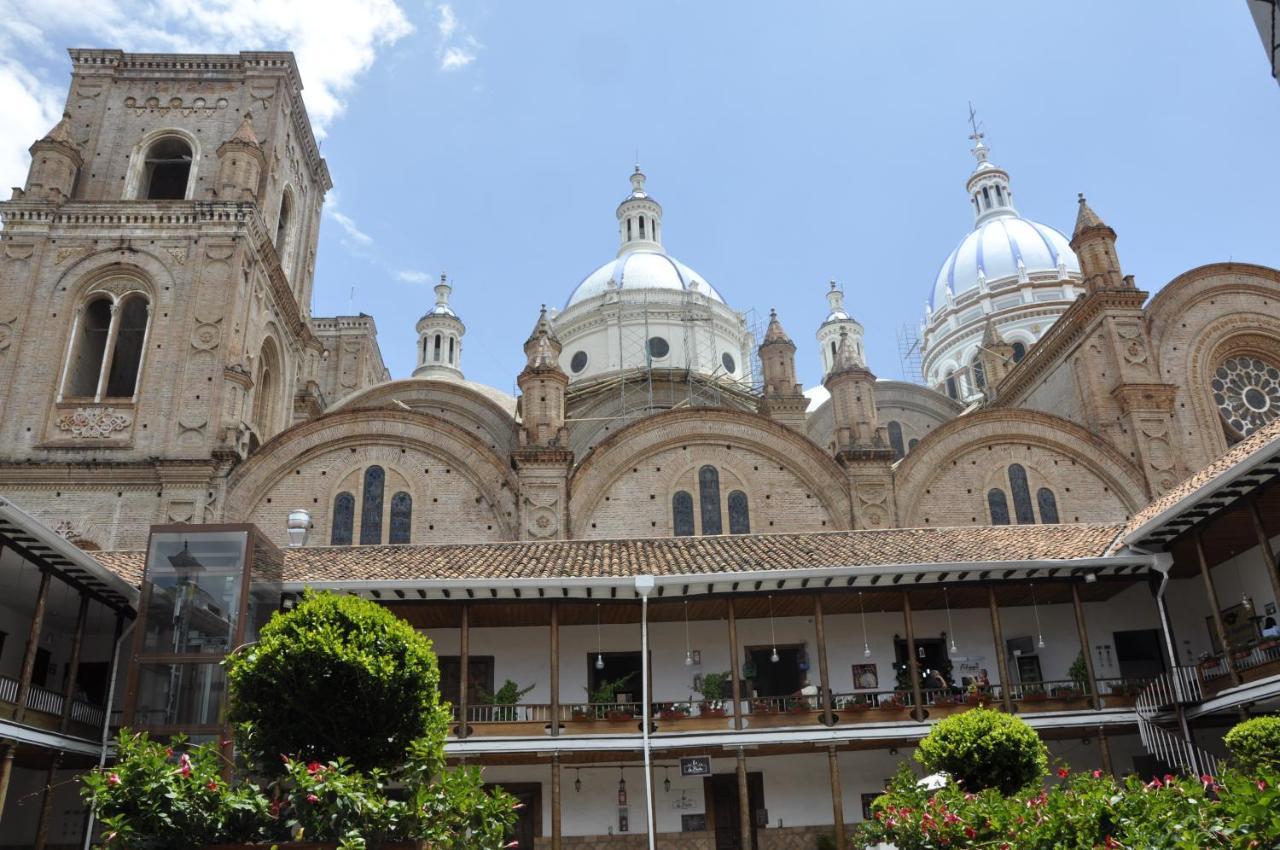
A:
(440, 338)
(639, 218)
(836, 325)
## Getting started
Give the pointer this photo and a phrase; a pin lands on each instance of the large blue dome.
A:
(1004, 248)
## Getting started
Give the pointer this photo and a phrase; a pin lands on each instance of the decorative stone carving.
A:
(6, 332)
(179, 254)
(544, 514)
(872, 499)
(64, 253)
(199, 107)
(18, 250)
(94, 422)
(207, 335)
(1131, 343)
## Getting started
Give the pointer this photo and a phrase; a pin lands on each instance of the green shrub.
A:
(1255, 745)
(338, 676)
(983, 749)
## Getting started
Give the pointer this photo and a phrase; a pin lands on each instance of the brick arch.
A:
(713, 430)
(372, 431)
(935, 463)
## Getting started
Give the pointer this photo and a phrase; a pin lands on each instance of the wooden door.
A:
(722, 793)
(479, 678)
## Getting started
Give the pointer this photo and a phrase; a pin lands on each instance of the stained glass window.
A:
(1022, 508)
(709, 500)
(682, 514)
(739, 513)
(998, 505)
(344, 514)
(371, 510)
(401, 517)
(1048, 505)
(1247, 393)
(895, 439)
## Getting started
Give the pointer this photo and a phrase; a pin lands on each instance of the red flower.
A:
(114, 779)
(275, 808)
(168, 751)
(1262, 785)
(184, 764)
(314, 767)
(213, 785)
(1111, 842)
(1097, 774)
(1063, 773)
(312, 798)
(970, 832)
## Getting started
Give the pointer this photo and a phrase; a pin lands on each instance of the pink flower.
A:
(168, 751)
(1063, 773)
(114, 779)
(312, 798)
(184, 764)
(1262, 785)
(213, 785)
(970, 832)
(275, 808)
(314, 767)
(1097, 774)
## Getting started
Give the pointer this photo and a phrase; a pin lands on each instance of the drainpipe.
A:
(121, 641)
(644, 586)
(1162, 562)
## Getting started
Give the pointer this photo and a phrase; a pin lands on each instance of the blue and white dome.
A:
(1004, 247)
(642, 269)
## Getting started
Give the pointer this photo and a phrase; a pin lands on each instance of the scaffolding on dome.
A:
(909, 349)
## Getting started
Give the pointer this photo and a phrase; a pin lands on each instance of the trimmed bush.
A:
(983, 749)
(1255, 745)
(337, 677)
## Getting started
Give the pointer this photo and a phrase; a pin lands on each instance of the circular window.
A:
(729, 364)
(658, 347)
(1247, 392)
(578, 362)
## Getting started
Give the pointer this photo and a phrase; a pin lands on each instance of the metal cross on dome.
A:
(978, 135)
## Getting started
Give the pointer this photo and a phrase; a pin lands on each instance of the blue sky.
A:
(788, 143)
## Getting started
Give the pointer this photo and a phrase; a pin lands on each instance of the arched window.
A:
(911, 445)
(986, 198)
(628, 230)
(682, 514)
(166, 170)
(105, 353)
(641, 227)
(451, 344)
(1022, 509)
(1019, 351)
(1048, 505)
(979, 373)
(344, 513)
(895, 439)
(401, 517)
(833, 352)
(266, 393)
(953, 391)
(436, 352)
(371, 506)
(998, 505)
(739, 513)
(282, 221)
(709, 500)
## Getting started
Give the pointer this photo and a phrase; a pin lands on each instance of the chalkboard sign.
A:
(695, 766)
(693, 823)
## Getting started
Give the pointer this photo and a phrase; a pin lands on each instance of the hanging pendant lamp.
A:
(666, 782)
(950, 629)
(773, 636)
(866, 647)
(577, 782)
(688, 653)
(1035, 607)
(599, 654)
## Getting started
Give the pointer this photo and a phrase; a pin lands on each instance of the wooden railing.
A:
(45, 701)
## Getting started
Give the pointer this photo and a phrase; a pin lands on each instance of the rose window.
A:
(1247, 392)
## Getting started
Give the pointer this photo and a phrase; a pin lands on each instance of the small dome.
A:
(1000, 249)
(636, 270)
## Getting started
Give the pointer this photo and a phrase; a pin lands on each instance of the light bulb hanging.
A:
(1245, 601)
(622, 787)
(950, 629)
(866, 647)
(599, 654)
(1035, 607)
(666, 782)
(688, 653)
(577, 782)
(773, 636)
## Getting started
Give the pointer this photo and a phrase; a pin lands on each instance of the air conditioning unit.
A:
(1021, 646)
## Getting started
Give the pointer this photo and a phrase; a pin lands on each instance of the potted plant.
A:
(673, 711)
(504, 701)
(712, 687)
(1079, 674)
(1034, 693)
(897, 702)
(858, 703)
(604, 699)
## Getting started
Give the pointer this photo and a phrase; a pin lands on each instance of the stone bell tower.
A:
(543, 458)
(783, 399)
(862, 443)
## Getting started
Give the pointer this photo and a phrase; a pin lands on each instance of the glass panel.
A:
(1019, 352)
(1048, 505)
(895, 439)
(1021, 495)
(195, 581)
(979, 374)
(264, 586)
(344, 517)
(682, 514)
(709, 499)
(739, 514)
(179, 694)
(401, 516)
(999, 506)
(371, 510)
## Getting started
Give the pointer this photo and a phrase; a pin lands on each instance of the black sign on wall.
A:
(695, 766)
(693, 823)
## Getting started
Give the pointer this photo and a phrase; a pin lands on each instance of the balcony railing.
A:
(45, 701)
(1251, 658)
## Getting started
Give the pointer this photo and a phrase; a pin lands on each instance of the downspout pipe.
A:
(1162, 563)
(121, 641)
(644, 586)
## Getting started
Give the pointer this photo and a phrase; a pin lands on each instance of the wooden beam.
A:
(1264, 545)
(745, 820)
(1002, 662)
(464, 651)
(1082, 630)
(556, 840)
(824, 678)
(1218, 625)
(73, 664)
(33, 644)
(555, 694)
(733, 670)
(837, 795)
(917, 710)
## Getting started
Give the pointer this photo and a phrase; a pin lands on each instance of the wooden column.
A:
(555, 790)
(917, 710)
(745, 816)
(824, 677)
(464, 650)
(1104, 749)
(837, 794)
(33, 644)
(6, 770)
(73, 664)
(46, 804)
(1218, 625)
(1002, 662)
(1264, 546)
(733, 672)
(555, 678)
(1083, 631)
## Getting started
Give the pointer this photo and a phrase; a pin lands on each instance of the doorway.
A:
(479, 678)
(1028, 667)
(721, 793)
(780, 678)
(1139, 653)
(528, 824)
(621, 668)
(931, 654)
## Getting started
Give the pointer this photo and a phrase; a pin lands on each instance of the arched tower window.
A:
(1022, 509)
(739, 513)
(979, 373)
(371, 506)
(628, 230)
(895, 439)
(682, 514)
(1048, 505)
(709, 500)
(282, 221)
(911, 445)
(998, 505)
(451, 344)
(166, 170)
(953, 389)
(436, 352)
(108, 341)
(266, 393)
(641, 227)
(344, 513)
(401, 517)
(1019, 351)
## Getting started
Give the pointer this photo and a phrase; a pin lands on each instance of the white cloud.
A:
(353, 237)
(412, 276)
(457, 48)
(30, 110)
